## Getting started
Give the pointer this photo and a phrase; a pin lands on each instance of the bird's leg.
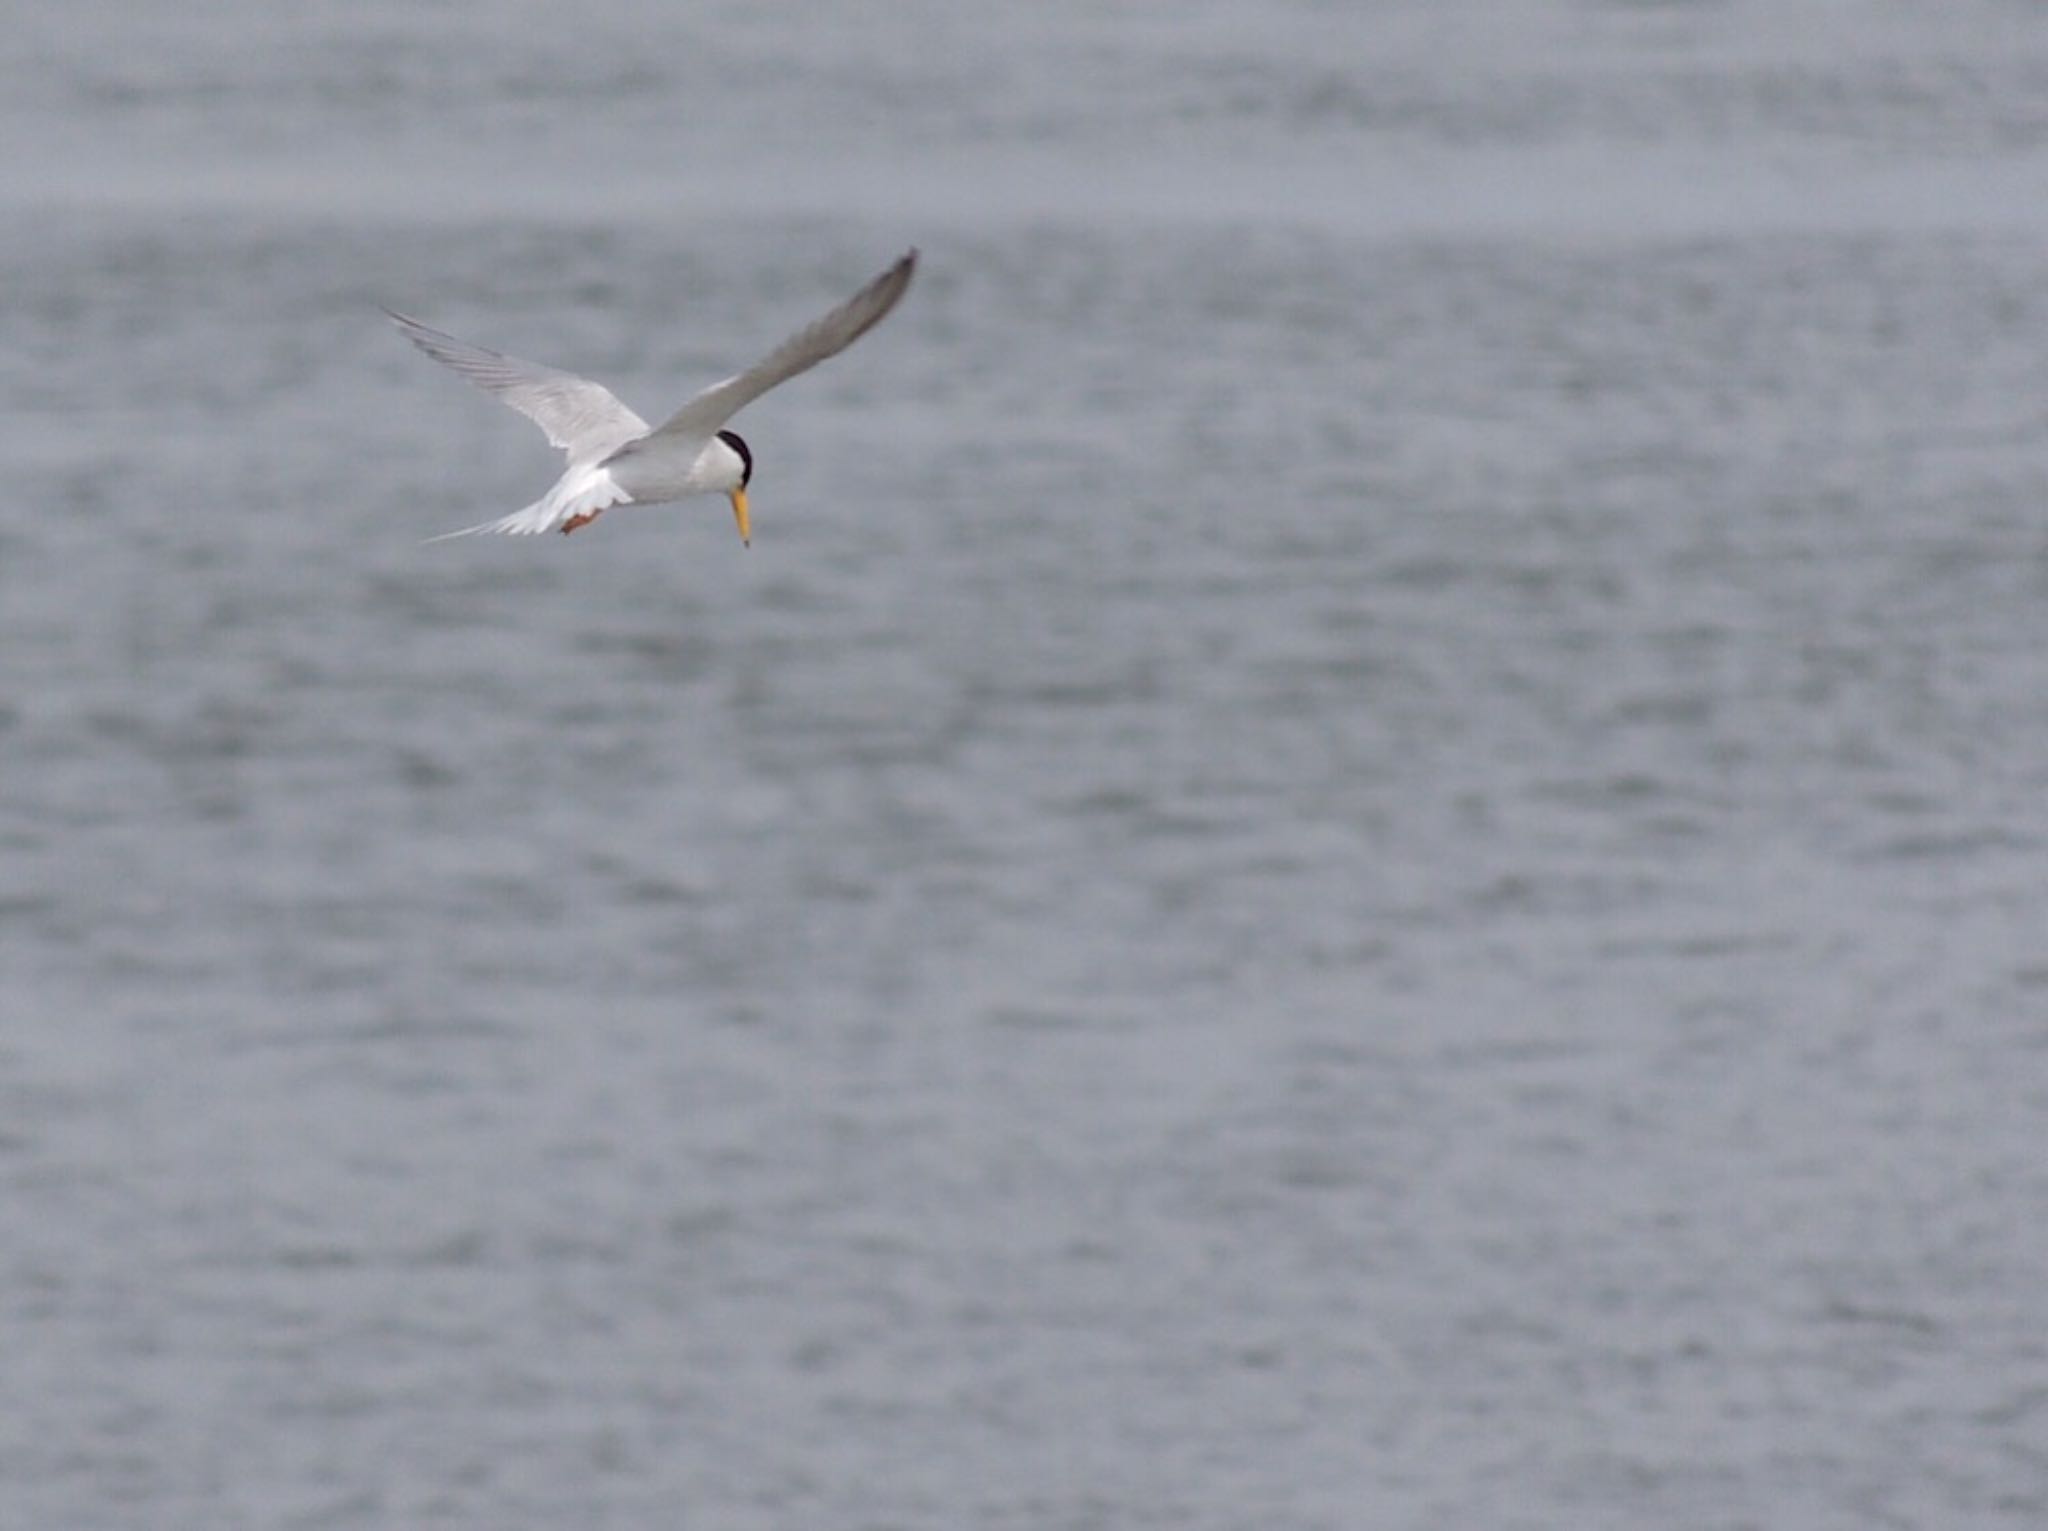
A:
(576, 521)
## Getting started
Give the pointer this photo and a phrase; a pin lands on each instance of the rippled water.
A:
(1362, 846)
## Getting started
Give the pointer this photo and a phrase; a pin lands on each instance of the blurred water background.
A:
(1363, 846)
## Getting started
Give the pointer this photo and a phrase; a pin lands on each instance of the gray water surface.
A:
(1363, 846)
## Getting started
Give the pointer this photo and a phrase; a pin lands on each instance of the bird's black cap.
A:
(733, 440)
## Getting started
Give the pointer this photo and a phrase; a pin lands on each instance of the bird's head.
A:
(737, 493)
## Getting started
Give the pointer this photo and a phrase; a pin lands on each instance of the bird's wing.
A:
(825, 337)
(579, 416)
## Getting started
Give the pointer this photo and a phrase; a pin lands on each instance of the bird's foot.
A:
(578, 521)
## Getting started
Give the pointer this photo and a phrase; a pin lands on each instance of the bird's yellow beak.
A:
(739, 514)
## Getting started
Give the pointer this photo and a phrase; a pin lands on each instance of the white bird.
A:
(615, 458)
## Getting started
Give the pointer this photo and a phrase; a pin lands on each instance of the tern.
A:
(615, 457)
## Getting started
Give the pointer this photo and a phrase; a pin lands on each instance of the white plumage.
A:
(614, 457)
